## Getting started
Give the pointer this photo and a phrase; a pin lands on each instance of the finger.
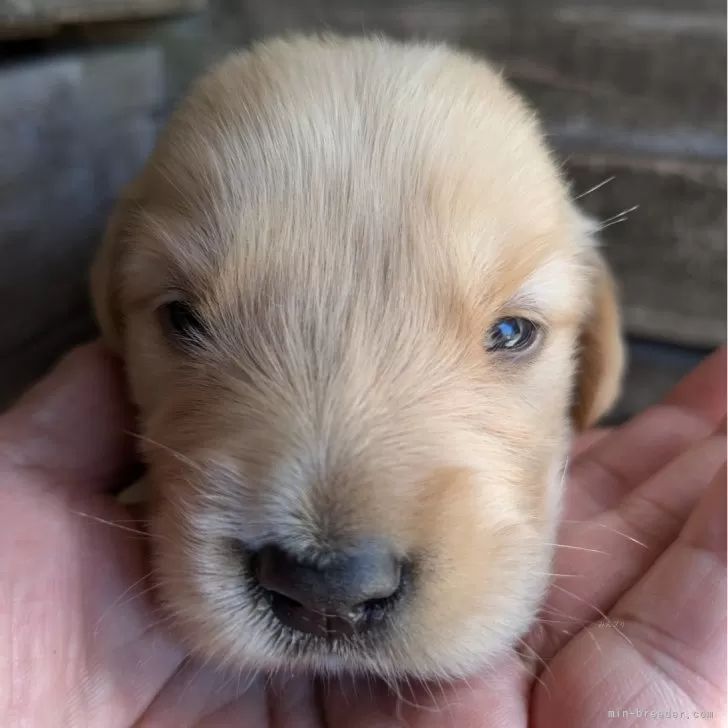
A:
(498, 699)
(706, 529)
(202, 697)
(667, 636)
(703, 391)
(72, 423)
(620, 461)
(601, 558)
(589, 439)
(676, 615)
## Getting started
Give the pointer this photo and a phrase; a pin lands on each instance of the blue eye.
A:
(512, 333)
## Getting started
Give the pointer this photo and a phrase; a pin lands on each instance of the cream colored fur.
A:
(350, 217)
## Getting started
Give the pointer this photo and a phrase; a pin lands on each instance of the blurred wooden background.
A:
(633, 93)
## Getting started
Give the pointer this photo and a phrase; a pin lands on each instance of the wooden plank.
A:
(588, 7)
(608, 73)
(653, 88)
(79, 127)
(18, 14)
(669, 254)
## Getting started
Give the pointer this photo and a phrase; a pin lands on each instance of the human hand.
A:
(635, 619)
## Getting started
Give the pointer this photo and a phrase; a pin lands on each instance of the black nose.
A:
(346, 594)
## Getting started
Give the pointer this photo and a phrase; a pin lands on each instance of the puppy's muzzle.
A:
(347, 593)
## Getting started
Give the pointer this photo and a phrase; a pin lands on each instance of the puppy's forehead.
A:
(378, 161)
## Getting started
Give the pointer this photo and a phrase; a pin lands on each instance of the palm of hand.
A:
(635, 620)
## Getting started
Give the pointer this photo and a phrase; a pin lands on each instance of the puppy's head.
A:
(360, 318)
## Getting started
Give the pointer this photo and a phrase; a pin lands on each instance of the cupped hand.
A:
(634, 623)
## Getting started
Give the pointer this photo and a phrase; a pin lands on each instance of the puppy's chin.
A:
(454, 622)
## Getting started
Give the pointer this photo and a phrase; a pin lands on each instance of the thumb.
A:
(71, 424)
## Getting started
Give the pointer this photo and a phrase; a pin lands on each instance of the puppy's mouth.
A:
(346, 605)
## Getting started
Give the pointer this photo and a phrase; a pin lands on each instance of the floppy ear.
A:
(601, 353)
(105, 270)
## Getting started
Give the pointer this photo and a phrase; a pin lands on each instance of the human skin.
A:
(635, 620)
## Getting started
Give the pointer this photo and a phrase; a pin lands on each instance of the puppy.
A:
(361, 318)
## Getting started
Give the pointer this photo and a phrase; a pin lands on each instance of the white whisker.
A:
(610, 529)
(619, 217)
(602, 614)
(120, 601)
(595, 188)
(576, 548)
(120, 525)
(166, 448)
(539, 659)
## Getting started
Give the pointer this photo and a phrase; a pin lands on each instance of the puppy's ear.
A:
(105, 270)
(601, 353)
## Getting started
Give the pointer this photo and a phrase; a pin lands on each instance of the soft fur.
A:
(350, 216)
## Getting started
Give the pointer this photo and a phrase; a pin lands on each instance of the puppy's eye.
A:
(512, 333)
(180, 322)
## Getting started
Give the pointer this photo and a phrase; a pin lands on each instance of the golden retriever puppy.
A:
(361, 317)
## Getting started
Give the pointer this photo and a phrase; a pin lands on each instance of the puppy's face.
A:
(360, 318)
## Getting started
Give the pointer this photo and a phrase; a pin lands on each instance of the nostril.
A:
(380, 604)
(372, 605)
(345, 591)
